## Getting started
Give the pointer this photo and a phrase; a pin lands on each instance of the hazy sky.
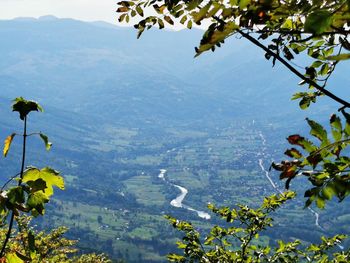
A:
(87, 10)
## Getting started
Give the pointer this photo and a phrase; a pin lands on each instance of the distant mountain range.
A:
(98, 68)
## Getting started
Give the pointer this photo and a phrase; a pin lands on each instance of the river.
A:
(178, 201)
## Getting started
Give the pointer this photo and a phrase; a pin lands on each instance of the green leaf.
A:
(347, 123)
(192, 5)
(201, 14)
(36, 201)
(183, 19)
(46, 141)
(175, 258)
(318, 22)
(160, 23)
(121, 18)
(7, 143)
(317, 64)
(299, 95)
(16, 195)
(288, 24)
(320, 202)
(244, 3)
(294, 153)
(328, 192)
(336, 127)
(25, 106)
(189, 24)
(213, 37)
(139, 10)
(324, 70)
(317, 130)
(214, 10)
(339, 57)
(304, 103)
(50, 176)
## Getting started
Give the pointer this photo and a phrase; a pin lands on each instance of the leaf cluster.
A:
(30, 245)
(323, 160)
(32, 190)
(240, 241)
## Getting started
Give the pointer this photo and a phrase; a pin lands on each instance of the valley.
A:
(140, 134)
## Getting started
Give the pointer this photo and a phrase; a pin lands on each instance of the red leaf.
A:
(295, 139)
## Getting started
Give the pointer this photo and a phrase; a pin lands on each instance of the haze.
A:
(86, 10)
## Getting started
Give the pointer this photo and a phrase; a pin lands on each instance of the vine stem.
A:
(8, 234)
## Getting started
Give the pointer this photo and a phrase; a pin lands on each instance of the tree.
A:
(284, 30)
(239, 242)
(30, 245)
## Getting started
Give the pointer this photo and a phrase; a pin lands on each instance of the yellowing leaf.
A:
(13, 258)
(339, 57)
(122, 9)
(7, 143)
(201, 14)
(169, 20)
(46, 141)
(50, 176)
(212, 37)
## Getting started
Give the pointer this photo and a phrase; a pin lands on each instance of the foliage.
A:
(324, 163)
(27, 244)
(239, 242)
(32, 190)
(284, 30)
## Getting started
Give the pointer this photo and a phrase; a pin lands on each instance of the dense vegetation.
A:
(30, 193)
(240, 242)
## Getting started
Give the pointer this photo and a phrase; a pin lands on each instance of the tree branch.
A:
(293, 70)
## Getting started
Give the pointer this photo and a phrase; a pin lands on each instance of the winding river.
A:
(177, 202)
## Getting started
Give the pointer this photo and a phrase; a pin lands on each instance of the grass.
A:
(146, 192)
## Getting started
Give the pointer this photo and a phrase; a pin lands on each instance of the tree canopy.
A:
(284, 30)
(239, 239)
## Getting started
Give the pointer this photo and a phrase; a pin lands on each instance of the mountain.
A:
(120, 109)
(66, 62)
